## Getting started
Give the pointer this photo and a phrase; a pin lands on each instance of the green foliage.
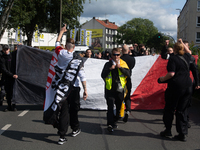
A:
(44, 13)
(142, 31)
(137, 30)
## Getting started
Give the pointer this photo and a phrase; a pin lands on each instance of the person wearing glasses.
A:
(114, 75)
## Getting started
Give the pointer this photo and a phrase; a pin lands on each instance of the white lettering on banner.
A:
(69, 77)
(58, 99)
(66, 87)
(54, 107)
(72, 71)
(76, 61)
(59, 92)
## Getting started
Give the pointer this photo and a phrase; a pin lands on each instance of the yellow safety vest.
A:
(122, 78)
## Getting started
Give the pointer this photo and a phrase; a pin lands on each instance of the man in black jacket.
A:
(8, 76)
(114, 74)
(131, 63)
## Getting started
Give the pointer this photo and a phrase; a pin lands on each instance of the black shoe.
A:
(180, 137)
(189, 125)
(165, 133)
(1, 102)
(110, 128)
(125, 118)
(76, 132)
(62, 141)
(14, 107)
(115, 126)
(7, 109)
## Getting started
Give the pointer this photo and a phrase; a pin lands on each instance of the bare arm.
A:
(168, 76)
(85, 94)
(62, 31)
(185, 47)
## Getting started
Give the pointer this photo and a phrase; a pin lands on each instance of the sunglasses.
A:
(115, 54)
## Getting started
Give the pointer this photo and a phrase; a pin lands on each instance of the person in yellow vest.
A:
(114, 74)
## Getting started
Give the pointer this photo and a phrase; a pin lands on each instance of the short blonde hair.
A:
(116, 50)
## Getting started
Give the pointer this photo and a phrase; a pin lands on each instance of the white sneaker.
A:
(75, 133)
(62, 141)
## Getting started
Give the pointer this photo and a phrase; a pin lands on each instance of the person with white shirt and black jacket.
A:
(71, 105)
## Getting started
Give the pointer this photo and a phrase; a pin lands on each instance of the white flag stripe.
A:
(23, 113)
(5, 128)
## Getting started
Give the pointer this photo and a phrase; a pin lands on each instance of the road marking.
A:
(23, 113)
(4, 128)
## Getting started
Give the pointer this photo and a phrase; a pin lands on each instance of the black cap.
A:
(5, 47)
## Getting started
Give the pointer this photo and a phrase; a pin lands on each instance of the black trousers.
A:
(177, 101)
(111, 99)
(127, 99)
(69, 112)
(9, 92)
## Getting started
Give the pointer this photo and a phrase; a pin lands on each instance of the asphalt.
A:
(26, 131)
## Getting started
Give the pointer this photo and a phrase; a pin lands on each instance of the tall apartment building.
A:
(103, 33)
(189, 22)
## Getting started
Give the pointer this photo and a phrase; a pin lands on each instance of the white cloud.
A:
(160, 12)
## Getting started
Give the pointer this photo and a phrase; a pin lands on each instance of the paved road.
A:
(25, 130)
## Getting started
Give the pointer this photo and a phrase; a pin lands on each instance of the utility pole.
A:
(60, 14)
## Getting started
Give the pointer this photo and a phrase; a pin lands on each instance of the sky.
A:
(163, 13)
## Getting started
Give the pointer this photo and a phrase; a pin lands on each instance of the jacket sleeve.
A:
(3, 68)
(105, 70)
(194, 69)
(125, 71)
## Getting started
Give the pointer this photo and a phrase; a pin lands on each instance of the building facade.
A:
(189, 22)
(44, 40)
(103, 33)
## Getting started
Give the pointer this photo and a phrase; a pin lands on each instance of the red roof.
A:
(107, 24)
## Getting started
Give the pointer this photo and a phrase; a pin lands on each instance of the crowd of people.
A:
(133, 51)
(116, 75)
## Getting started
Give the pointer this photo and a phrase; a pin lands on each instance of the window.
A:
(106, 31)
(198, 5)
(106, 38)
(198, 21)
(198, 37)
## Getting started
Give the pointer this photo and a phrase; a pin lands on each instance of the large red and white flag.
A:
(33, 70)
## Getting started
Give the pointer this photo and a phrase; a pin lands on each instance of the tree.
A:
(5, 9)
(137, 30)
(44, 13)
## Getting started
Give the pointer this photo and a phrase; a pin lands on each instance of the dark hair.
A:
(88, 50)
(141, 45)
(185, 42)
(5, 47)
